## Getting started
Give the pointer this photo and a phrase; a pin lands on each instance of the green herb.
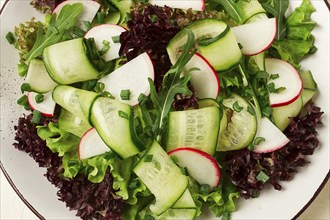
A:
(100, 17)
(105, 49)
(78, 32)
(123, 114)
(36, 118)
(142, 97)
(172, 84)
(274, 76)
(174, 158)
(116, 39)
(108, 94)
(237, 107)
(184, 171)
(105, 42)
(26, 87)
(251, 110)
(86, 25)
(99, 87)
(23, 101)
(258, 140)
(10, 38)
(39, 98)
(263, 177)
(148, 158)
(125, 94)
(66, 19)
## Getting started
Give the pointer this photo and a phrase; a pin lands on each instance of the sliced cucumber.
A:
(113, 119)
(207, 102)
(222, 127)
(77, 101)
(197, 128)
(308, 80)
(67, 62)
(214, 40)
(251, 9)
(38, 78)
(282, 114)
(162, 177)
(71, 123)
(307, 95)
(242, 125)
(185, 202)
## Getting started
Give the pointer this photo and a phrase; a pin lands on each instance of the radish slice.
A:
(90, 9)
(132, 76)
(197, 5)
(205, 80)
(106, 32)
(256, 37)
(200, 165)
(288, 78)
(274, 138)
(91, 144)
(46, 107)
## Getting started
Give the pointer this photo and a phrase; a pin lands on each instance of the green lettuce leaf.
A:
(299, 40)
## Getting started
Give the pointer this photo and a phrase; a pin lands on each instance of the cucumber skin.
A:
(66, 62)
(178, 132)
(171, 184)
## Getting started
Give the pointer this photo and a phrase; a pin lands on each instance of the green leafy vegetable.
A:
(58, 25)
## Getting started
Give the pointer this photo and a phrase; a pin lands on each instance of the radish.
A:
(91, 144)
(133, 77)
(90, 9)
(205, 80)
(46, 107)
(106, 32)
(200, 165)
(256, 37)
(274, 139)
(288, 78)
(197, 5)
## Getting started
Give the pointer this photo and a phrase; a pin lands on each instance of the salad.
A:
(155, 109)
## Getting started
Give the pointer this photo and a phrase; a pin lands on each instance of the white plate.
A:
(40, 195)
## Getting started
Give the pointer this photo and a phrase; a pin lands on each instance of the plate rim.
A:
(40, 216)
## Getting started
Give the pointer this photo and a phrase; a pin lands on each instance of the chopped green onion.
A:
(251, 110)
(99, 87)
(263, 177)
(240, 46)
(255, 193)
(153, 18)
(157, 165)
(116, 39)
(108, 94)
(36, 118)
(258, 140)
(39, 98)
(78, 32)
(25, 87)
(105, 49)
(184, 171)
(22, 69)
(123, 114)
(100, 17)
(148, 158)
(10, 38)
(280, 89)
(205, 189)
(274, 76)
(237, 107)
(86, 25)
(251, 146)
(125, 94)
(267, 111)
(134, 184)
(105, 42)
(142, 97)
(174, 158)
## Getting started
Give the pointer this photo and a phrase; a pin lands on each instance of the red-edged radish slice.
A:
(132, 76)
(106, 32)
(91, 144)
(46, 107)
(90, 9)
(256, 37)
(200, 165)
(197, 5)
(205, 80)
(274, 139)
(288, 78)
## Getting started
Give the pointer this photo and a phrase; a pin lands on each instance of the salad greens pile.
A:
(293, 42)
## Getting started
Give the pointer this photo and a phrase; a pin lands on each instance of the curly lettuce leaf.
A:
(299, 40)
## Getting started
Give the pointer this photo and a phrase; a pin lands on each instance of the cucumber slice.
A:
(307, 95)
(67, 62)
(251, 8)
(242, 125)
(185, 202)
(113, 119)
(197, 128)
(214, 40)
(207, 102)
(38, 78)
(308, 80)
(72, 124)
(282, 114)
(77, 101)
(162, 177)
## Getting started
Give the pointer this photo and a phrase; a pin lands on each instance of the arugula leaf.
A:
(172, 84)
(234, 8)
(277, 8)
(66, 19)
